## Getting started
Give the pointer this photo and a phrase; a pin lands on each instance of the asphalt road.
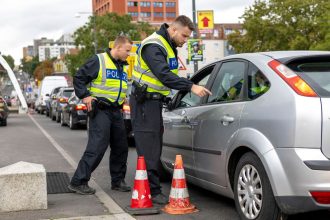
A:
(210, 205)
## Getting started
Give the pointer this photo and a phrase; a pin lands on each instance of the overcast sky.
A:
(25, 20)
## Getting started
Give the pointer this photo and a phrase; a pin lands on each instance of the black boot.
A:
(121, 186)
(82, 189)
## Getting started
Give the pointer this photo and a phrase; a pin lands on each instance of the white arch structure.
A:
(13, 79)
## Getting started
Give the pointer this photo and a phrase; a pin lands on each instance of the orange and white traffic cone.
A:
(141, 203)
(179, 197)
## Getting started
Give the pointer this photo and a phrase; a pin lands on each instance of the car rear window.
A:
(67, 93)
(316, 72)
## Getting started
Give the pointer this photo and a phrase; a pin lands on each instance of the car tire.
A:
(72, 125)
(253, 194)
(62, 119)
(58, 119)
(164, 175)
(4, 122)
(53, 116)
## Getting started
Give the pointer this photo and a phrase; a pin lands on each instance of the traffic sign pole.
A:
(195, 31)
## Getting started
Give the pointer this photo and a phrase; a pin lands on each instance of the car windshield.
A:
(316, 73)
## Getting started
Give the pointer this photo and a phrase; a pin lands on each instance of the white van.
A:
(47, 84)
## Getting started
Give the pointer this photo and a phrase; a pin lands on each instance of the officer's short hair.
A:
(185, 22)
(122, 39)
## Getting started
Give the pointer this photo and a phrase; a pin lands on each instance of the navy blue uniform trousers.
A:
(106, 127)
(147, 124)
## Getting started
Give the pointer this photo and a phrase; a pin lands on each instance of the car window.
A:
(258, 84)
(228, 84)
(189, 99)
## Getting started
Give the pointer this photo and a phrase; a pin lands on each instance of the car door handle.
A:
(185, 119)
(226, 119)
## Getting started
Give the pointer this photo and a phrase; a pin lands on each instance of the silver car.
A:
(262, 137)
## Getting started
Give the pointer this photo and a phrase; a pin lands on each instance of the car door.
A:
(177, 138)
(217, 122)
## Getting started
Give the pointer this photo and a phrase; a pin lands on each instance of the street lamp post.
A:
(195, 31)
(78, 15)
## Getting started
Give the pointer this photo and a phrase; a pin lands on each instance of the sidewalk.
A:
(24, 140)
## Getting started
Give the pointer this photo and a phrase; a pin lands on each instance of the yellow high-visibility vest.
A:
(141, 71)
(110, 83)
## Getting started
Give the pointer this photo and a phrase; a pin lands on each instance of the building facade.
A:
(54, 51)
(28, 53)
(41, 42)
(152, 11)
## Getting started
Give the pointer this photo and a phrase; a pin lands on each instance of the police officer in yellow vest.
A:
(102, 84)
(156, 70)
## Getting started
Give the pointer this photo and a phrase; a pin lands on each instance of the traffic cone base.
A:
(179, 211)
(179, 202)
(142, 211)
(141, 203)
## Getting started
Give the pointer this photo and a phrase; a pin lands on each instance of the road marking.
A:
(108, 202)
(98, 217)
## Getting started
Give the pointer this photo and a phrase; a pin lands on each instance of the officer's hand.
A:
(88, 102)
(200, 90)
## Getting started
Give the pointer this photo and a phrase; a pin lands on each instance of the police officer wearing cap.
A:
(102, 84)
(156, 71)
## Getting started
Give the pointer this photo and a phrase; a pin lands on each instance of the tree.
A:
(10, 60)
(29, 66)
(45, 68)
(284, 25)
(107, 27)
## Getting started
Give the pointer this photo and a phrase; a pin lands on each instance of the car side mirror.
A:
(47, 94)
(169, 105)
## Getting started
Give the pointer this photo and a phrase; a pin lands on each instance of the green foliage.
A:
(10, 60)
(106, 27)
(29, 66)
(284, 25)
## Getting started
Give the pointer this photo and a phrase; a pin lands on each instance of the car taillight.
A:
(292, 79)
(81, 107)
(63, 100)
(321, 197)
(126, 108)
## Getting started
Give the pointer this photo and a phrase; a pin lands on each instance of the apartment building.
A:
(152, 11)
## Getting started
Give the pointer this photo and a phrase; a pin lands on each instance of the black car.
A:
(74, 113)
(61, 100)
(3, 111)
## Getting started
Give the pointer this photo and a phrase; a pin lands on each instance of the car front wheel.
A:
(254, 198)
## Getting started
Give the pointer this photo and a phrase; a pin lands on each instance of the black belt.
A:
(101, 104)
(155, 96)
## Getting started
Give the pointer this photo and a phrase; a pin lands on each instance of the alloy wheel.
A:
(249, 189)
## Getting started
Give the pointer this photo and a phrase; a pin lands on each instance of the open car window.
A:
(188, 99)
